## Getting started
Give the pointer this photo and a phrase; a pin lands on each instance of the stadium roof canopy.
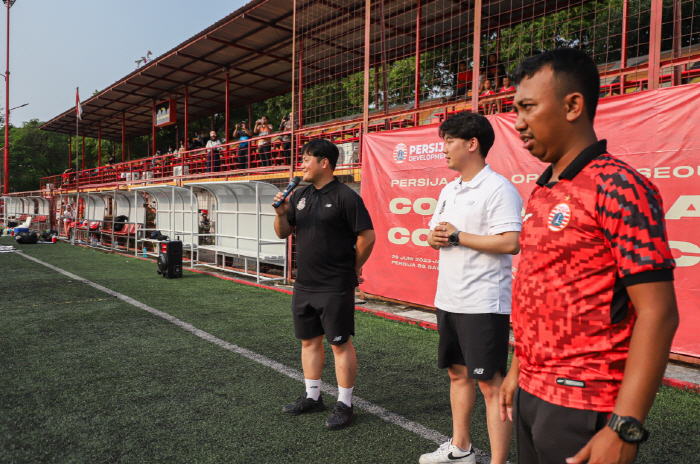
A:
(254, 44)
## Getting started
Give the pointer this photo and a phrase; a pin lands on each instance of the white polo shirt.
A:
(471, 282)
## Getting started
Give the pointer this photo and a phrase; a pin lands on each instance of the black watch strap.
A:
(628, 428)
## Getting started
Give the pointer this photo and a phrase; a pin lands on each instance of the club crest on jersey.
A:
(559, 217)
(301, 204)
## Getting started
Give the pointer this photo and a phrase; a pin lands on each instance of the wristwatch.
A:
(628, 428)
(454, 238)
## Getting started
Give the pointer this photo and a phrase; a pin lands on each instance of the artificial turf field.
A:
(88, 378)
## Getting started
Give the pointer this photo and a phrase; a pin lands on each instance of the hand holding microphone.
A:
(281, 197)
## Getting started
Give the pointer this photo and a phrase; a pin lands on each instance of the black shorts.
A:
(319, 313)
(546, 433)
(477, 341)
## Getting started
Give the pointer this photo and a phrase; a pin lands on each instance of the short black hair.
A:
(574, 70)
(467, 125)
(320, 149)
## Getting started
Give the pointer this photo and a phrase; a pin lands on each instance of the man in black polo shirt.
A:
(334, 239)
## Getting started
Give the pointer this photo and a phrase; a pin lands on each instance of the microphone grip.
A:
(285, 194)
(292, 185)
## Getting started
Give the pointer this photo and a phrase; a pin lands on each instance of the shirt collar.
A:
(483, 174)
(581, 161)
(328, 187)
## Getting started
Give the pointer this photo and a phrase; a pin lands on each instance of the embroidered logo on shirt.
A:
(442, 208)
(559, 217)
(302, 204)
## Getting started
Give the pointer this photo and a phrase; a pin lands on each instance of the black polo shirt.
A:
(327, 222)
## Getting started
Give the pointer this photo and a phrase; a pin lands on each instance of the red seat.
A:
(94, 225)
(126, 230)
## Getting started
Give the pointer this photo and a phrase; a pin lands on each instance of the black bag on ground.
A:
(26, 238)
(12, 224)
(119, 223)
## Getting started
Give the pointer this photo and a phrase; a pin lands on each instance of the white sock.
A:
(313, 389)
(345, 395)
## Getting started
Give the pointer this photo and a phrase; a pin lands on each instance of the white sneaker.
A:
(448, 453)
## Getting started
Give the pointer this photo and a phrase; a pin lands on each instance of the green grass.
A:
(85, 377)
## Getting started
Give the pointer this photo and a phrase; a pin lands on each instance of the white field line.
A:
(392, 418)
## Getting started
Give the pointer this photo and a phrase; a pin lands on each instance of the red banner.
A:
(657, 132)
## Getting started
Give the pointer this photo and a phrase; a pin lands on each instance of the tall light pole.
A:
(8, 4)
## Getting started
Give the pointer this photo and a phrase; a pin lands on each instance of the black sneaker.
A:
(304, 404)
(340, 417)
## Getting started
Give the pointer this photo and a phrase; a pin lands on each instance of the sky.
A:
(58, 45)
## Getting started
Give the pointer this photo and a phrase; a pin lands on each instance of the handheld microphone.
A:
(292, 185)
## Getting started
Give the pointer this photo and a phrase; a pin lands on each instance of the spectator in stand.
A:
(494, 70)
(241, 132)
(213, 153)
(489, 107)
(262, 128)
(507, 85)
(506, 104)
(464, 80)
(195, 143)
(202, 138)
(111, 161)
(181, 150)
(286, 126)
(171, 150)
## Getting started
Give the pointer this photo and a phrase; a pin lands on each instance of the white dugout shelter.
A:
(243, 220)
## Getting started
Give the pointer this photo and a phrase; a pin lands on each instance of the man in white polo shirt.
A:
(475, 226)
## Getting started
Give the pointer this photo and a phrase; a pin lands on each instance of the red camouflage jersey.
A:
(585, 238)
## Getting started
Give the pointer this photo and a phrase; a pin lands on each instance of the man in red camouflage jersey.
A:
(594, 308)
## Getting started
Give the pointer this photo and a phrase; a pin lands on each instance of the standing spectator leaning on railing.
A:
(241, 132)
(213, 153)
(262, 128)
(464, 79)
(195, 143)
(286, 126)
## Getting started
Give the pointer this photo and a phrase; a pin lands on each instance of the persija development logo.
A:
(400, 153)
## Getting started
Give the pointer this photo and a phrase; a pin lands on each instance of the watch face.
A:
(631, 431)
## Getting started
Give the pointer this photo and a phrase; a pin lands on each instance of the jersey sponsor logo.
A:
(301, 204)
(559, 217)
(571, 383)
(400, 153)
(478, 371)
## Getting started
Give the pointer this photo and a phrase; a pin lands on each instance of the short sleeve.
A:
(630, 212)
(292, 211)
(503, 213)
(435, 220)
(356, 213)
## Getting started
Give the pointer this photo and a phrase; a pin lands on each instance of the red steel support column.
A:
(70, 151)
(625, 31)
(228, 105)
(83, 163)
(123, 136)
(477, 56)
(655, 43)
(385, 82)
(99, 144)
(676, 40)
(301, 82)
(418, 39)
(187, 115)
(7, 104)
(153, 130)
(250, 115)
(365, 115)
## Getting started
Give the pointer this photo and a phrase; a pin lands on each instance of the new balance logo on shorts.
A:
(478, 371)
(338, 338)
